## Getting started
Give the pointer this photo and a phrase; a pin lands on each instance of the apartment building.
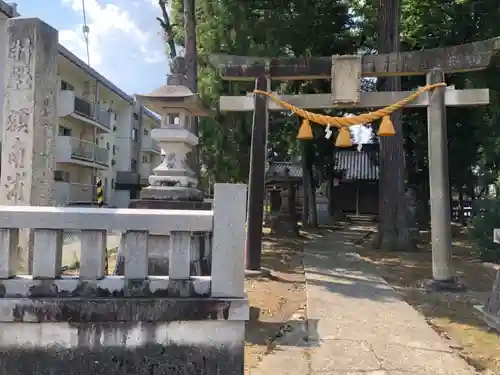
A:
(139, 154)
(102, 133)
(150, 152)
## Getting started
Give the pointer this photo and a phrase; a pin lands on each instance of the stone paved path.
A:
(356, 323)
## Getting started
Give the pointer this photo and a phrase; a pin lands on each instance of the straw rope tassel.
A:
(387, 129)
(343, 138)
(305, 131)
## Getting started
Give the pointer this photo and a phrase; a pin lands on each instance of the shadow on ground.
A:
(451, 314)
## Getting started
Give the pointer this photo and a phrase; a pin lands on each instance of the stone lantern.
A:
(173, 184)
(173, 180)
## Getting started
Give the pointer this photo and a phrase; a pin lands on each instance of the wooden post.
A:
(257, 177)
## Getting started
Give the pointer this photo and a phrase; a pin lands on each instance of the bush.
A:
(485, 218)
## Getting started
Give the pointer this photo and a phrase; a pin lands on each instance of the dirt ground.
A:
(451, 314)
(274, 299)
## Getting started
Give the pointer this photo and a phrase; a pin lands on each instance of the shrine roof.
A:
(356, 165)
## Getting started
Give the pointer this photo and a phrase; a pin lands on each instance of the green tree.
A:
(257, 28)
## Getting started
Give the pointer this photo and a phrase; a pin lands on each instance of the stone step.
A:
(362, 219)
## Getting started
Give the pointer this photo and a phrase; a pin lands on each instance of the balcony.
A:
(76, 106)
(78, 151)
(148, 144)
(71, 192)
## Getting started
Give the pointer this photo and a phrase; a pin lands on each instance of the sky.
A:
(125, 40)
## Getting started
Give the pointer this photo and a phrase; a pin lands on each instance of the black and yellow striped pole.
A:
(100, 203)
(100, 194)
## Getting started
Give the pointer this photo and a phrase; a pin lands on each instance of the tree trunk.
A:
(191, 58)
(167, 28)
(331, 207)
(393, 231)
(312, 196)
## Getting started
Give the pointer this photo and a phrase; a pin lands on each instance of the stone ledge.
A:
(95, 310)
(184, 194)
(99, 219)
(109, 286)
(161, 204)
(490, 319)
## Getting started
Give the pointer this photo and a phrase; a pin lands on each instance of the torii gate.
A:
(345, 73)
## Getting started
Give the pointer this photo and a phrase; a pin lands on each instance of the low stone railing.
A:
(135, 323)
(490, 312)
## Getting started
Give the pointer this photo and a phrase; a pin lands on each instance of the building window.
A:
(65, 86)
(146, 131)
(64, 131)
(136, 116)
(107, 146)
(114, 150)
(145, 159)
(134, 134)
(133, 165)
(61, 176)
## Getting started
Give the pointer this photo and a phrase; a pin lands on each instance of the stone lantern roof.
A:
(175, 97)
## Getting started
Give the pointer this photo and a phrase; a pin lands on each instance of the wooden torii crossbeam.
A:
(455, 59)
(453, 98)
(345, 73)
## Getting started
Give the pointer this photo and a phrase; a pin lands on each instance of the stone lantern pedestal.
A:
(173, 180)
(285, 222)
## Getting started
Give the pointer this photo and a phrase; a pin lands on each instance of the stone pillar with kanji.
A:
(29, 119)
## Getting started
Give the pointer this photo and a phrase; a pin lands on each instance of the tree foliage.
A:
(323, 28)
(258, 28)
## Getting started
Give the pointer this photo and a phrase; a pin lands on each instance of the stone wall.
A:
(121, 336)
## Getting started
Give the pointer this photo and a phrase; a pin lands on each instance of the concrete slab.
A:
(404, 359)
(341, 356)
